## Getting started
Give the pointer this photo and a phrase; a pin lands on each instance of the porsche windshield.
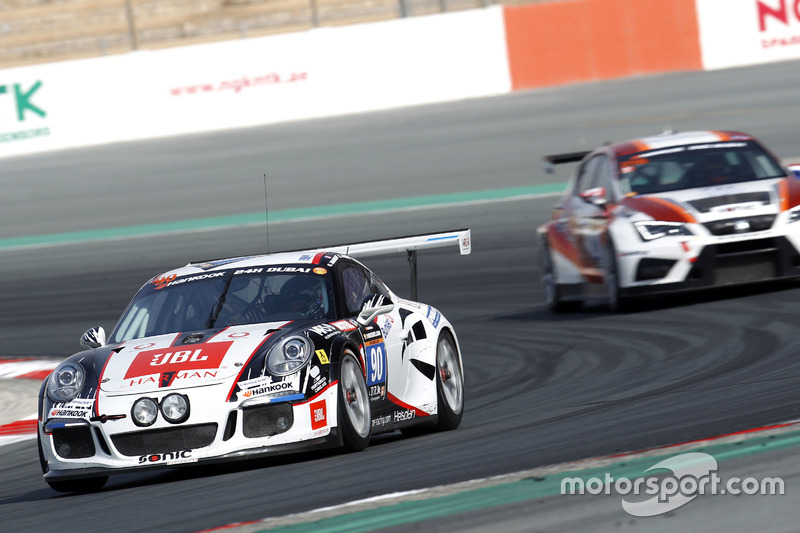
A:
(225, 298)
(696, 165)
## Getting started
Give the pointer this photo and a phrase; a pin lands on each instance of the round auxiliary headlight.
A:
(175, 408)
(289, 356)
(144, 412)
(65, 382)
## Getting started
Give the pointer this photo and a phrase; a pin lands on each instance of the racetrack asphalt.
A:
(541, 389)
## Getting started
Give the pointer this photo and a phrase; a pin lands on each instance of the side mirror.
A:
(373, 306)
(94, 338)
(595, 196)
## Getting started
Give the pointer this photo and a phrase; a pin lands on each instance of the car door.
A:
(585, 215)
(593, 216)
(383, 341)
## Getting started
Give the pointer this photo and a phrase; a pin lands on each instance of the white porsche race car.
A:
(670, 212)
(235, 358)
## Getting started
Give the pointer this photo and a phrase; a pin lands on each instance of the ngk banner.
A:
(250, 82)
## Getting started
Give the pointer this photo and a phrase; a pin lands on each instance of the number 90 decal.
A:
(376, 362)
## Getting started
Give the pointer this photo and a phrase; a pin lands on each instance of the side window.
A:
(377, 286)
(603, 176)
(355, 287)
(586, 175)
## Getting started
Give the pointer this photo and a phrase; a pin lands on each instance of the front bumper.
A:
(215, 432)
(709, 263)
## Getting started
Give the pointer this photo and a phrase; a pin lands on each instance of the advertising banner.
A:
(251, 82)
(746, 32)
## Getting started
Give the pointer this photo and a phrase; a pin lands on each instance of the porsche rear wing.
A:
(560, 159)
(461, 238)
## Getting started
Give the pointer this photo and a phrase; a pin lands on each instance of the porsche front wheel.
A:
(355, 415)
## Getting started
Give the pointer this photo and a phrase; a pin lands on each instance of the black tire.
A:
(82, 486)
(449, 399)
(354, 411)
(449, 383)
(552, 290)
(616, 302)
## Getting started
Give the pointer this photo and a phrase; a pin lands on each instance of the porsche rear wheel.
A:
(449, 383)
(355, 415)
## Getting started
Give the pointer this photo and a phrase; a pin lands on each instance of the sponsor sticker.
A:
(170, 280)
(162, 282)
(267, 385)
(377, 392)
(144, 346)
(248, 271)
(319, 381)
(433, 316)
(325, 331)
(404, 416)
(381, 421)
(343, 325)
(78, 408)
(375, 357)
(372, 335)
(323, 357)
(255, 382)
(175, 363)
(385, 322)
(267, 389)
(184, 456)
(319, 418)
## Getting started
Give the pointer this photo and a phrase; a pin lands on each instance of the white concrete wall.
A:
(746, 32)
(232, 84)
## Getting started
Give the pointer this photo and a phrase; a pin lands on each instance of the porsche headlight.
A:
(144, 412)
(651, 230)
(65, 382)
(175, 408)
(289, 356)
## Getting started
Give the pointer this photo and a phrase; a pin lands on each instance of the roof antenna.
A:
(667, 130)
(266, 205)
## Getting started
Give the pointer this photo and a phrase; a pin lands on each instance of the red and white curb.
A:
(26, 368)
(18, 431)
(32, 369)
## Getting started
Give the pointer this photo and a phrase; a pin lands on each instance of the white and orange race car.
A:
(670, 212)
